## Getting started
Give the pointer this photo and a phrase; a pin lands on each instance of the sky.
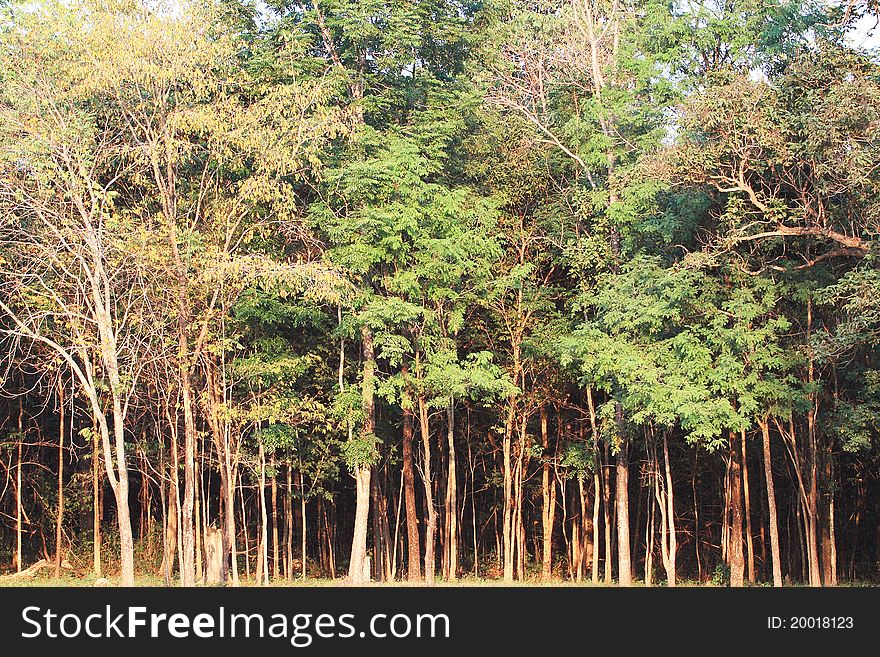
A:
(867, 33)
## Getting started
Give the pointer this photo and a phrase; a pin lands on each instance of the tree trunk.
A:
(507, 524)
(671, 569)
(358, 561)
(302, 510)
(96, 505)
(60, 512)
(263, 554)
(826, 512)
(606, 510)
(650, 530)
(187, 528)
(288, 524)
(18, 508)
(735, 551)
(748, 510)
(229, 507)
(412, 522)
(431, 525)
(244, 527)
(548, 491)
(451, 496)
(198, 510)
(624, 565)
(597, 487)
(771, 505)
(379, 542)
(696, 518)
(275, 552)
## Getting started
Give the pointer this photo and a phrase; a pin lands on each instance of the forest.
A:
(439, 290)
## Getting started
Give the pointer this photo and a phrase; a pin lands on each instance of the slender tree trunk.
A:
(507, 521)
(275, 552)
(197, 511)
(378, 535)
(228, 470)
(60, 513)
(696, 519)
(671, 569)
(813, 460)
(263, 555)
(451, 495)
(146, 528)
(431, 525)
(19, 532)
(606, 510)
(587, 549)
(833, 541)
(518, 530)
(826, 512)
(96, 505)
(748, 510)
(409, 491)
(472, 468)
(170, 548)
(119, 479)
(650, 530)
(302, 510)
(331, 543)
(597, 487)
(736, 543)
(231, 533)
(548, 491)
(624, 565)
(244, 527)
(163, 500)
(358, 561)
(397, 540)
(288, 524)
(187, 527)
(771, 505)
(574, 570)
(384, 524)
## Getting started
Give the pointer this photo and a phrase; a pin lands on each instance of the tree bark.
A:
(771, 505)
(748, 511)
(18, 508)
(358, 561)
(275, 551)
(431, 525)
(548, 491)
(60, 512)
(302, 511)
(671, 570)
(288, 524)
(451, 495)
(606, 510)
(507, 525)
(597, 487)
(412, 522)
(735, 550)
(624, 564)
(263, 554)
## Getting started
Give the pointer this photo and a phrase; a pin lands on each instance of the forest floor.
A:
(151, 580)
(47, 578)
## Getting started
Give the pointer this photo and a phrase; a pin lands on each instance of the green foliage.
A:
(360, 451)
(578, 460)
